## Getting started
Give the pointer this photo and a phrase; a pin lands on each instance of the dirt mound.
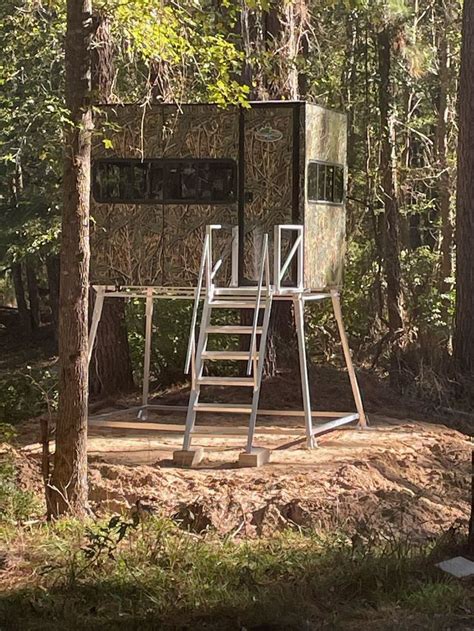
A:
(410, 480)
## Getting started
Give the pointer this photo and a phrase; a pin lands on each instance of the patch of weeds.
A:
(27, 393)
(16, 504)
(124, 573)
(435, 597)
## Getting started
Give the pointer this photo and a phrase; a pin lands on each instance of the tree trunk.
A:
(247, 32)
(111, 368)
(391, 210)
(463, 334)
(33, 295)
(23, 312)
(444, 183)
(52, 270)
(69, 481)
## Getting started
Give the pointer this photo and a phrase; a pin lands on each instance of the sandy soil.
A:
(399, 477)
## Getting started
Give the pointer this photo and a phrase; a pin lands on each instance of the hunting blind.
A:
(232, 208)
(162, 173)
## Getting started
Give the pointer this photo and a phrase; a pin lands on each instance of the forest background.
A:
(392, 65)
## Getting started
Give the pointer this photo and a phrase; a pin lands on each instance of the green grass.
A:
(152, 575)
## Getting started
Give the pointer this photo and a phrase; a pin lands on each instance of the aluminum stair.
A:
(222, 301)
(254, 357)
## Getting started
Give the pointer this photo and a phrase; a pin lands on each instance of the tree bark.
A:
(111, 367)
(52, 270)
(464, 334)
(69, 481)
(391, 210)
(33, 295)
(444, 182)
(23, 312)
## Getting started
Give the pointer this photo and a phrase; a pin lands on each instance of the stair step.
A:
(233, 330)
(239, 291)
(235, 304)
(236, 355)
(236, 408)
(226, 381)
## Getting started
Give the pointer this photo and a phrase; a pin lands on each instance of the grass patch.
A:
(16, 504)
(122, 574)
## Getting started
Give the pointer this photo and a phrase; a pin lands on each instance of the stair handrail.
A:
(207, 271)
(297, 248)
(264, 271)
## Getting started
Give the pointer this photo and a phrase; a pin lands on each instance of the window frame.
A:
(166, 163)
(336, 165)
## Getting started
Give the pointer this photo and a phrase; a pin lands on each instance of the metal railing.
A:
(208, 271)
(280, 270)
(264, 271)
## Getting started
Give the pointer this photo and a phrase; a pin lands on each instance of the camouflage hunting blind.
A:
(162, 173)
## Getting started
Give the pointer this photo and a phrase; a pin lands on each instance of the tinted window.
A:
(325, 182)
(167, 181)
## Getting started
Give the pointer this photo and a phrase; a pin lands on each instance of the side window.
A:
(169, 181)
(325, 182)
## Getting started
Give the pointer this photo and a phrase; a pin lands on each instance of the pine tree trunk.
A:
(52, 270)
(463, 334)
(69, 481)
(33, 295)
(444, 183)
(281, 352)
(111, 368)
(391, 210)
(23, 312)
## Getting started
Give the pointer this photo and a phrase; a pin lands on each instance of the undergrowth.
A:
(27, 393)
(130, 574)
(16, 503)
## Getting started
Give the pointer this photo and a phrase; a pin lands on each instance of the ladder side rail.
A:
(253, 339)
(197, 296)
(256, 392)
(198, 370)
(300, 261)
(235, 257)
(277, 257)
(208, 269)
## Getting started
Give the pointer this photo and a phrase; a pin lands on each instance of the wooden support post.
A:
(147, 358)
(336, 305)
(299, 317)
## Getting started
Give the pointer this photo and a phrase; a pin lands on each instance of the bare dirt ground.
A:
(397, 478)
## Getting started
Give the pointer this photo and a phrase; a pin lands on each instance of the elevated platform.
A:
(257, 300)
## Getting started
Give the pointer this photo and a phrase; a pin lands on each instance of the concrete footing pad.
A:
(188, 457)
(257, 458)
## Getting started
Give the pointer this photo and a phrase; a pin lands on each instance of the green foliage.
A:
(16, 505)
(31, 118)
(103, 540)
(431, 311)
(171, 322)
(157, 574)
(28, 393)
(190, 40)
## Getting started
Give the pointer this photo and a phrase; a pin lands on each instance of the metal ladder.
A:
(259, 300)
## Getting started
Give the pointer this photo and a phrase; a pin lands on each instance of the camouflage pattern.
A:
(161, 244)
(268, 163)
(325, 224)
